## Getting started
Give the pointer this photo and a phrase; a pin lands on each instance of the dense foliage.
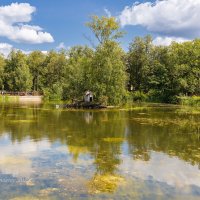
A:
(145, 72)
(164, 73)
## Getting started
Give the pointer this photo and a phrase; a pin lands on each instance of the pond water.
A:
(147, 152)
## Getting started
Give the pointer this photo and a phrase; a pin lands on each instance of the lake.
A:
(145, 152)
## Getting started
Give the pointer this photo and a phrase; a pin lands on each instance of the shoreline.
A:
(22, 99)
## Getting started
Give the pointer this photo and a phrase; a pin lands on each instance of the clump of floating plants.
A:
(106, 183)
(113, 139)
(25, 198)
(22, 121)
(164, 122)
(48, 191)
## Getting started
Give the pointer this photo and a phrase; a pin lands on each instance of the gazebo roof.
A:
(88, 93)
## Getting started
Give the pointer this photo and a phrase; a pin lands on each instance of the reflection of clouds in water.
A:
(15, 165)
(15, 158)
(163, 168)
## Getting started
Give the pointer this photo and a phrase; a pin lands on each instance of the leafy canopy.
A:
(105, 28)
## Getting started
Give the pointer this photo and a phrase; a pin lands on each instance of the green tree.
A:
(2, 66)
(105, 28)
(109, 77)
(54, 70)
(108, 67)
(138, 60)
(185, 58)
(36, 64)
(18, 76)
(78, 72)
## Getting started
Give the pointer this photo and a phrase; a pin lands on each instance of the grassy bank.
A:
(8, 99)
(190, 101)
(153, 97)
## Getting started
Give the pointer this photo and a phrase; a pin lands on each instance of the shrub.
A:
(139, 96)
(55, 93)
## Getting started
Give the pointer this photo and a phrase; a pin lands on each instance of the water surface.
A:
(143, 153)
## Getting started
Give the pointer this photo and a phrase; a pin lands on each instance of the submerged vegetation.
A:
(145, 73)
(104, 183)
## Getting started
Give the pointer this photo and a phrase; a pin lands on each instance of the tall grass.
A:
(190, 101)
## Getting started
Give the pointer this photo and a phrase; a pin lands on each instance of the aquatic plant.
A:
(115, 140)
(106, 183)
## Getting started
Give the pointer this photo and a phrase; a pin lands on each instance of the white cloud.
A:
(45, 52)
(172, 18)
(36, 28)
(166, 41)
(61, 46)
(12, 24)
(17, 160)
(162, 168)
(108, 13)
(5, 49)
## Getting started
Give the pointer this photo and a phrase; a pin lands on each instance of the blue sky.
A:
(63, 21)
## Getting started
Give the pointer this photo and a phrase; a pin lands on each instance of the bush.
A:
(55, 93)
(103, 100)
(139, 96)
(162, 96)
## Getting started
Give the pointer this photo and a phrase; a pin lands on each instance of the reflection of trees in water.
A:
(141, 154)
(84, 132)
(106, 156)
(101, 135)
(175, 135)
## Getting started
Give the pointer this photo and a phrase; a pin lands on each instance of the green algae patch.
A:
(149, 121)
(22, 121)
(164, 122)
(25, 198)
(105, 184)
(47, 192)
(189, 110)
(135, 108)
(114, 140)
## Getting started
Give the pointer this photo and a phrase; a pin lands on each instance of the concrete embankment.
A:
(37, 99)
(22, 99)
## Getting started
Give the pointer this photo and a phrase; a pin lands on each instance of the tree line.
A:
(145, 72)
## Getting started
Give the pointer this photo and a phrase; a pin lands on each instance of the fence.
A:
(20, 93)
